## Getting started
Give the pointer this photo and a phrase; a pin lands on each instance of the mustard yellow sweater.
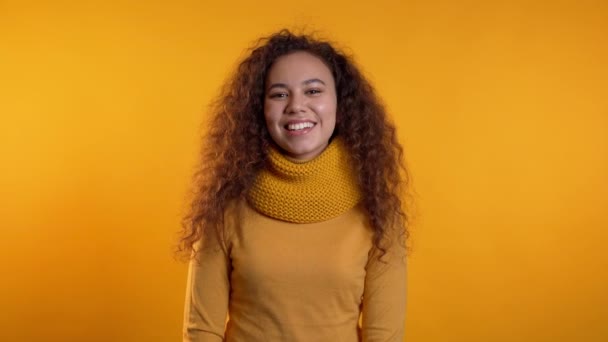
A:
(278, 280)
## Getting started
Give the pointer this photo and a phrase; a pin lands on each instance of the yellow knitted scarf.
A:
(305, 192)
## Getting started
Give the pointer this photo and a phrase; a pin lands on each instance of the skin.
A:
(300, 89)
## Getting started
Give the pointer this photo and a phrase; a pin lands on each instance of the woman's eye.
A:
(314, 91)
(277, 95)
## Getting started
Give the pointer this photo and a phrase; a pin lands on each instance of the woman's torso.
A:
(295, 282)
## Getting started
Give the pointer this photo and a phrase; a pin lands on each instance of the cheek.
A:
(271, 120)
(272, 112)
(267, 113)
(272, 124)
(327, 110)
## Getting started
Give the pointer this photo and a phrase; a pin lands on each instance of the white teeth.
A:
(299, 126)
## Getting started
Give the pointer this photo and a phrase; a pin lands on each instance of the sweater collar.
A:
(305, 192)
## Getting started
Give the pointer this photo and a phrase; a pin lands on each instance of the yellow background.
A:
(502, 108)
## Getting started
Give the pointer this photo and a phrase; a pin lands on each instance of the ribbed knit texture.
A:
(312, 191)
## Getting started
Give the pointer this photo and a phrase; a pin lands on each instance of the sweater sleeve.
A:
(207, 293)
(384, 296)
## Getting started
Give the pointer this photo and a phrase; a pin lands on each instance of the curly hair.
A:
(236, 144)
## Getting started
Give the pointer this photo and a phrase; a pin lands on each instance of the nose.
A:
(295, 104)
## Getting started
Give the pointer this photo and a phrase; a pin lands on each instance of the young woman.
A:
(296, 230)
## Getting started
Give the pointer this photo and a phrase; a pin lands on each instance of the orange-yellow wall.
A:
(502, 107)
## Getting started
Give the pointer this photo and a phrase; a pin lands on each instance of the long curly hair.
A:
(236, 144)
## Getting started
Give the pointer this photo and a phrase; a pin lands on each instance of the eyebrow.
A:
(307, 82)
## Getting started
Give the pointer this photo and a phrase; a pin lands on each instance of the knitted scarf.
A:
(305, 192)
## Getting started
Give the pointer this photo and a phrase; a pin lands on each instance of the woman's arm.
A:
(207, 293)
(384, 297)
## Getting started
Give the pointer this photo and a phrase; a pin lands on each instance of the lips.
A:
(299, 127)
(292, 124)
(300, 121)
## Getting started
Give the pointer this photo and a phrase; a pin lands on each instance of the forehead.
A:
(298, 66)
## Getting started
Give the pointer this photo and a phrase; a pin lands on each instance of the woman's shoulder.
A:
(233, 210)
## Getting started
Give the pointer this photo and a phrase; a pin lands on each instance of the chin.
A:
(308, 152)
(299, 153)
(301, 149)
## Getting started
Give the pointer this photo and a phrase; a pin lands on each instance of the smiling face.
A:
(300, 105)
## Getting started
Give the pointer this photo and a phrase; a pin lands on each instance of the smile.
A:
(299, 126)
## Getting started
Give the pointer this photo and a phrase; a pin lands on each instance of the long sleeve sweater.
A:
(279, 281)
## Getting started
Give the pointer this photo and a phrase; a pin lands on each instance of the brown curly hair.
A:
(236, 144)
